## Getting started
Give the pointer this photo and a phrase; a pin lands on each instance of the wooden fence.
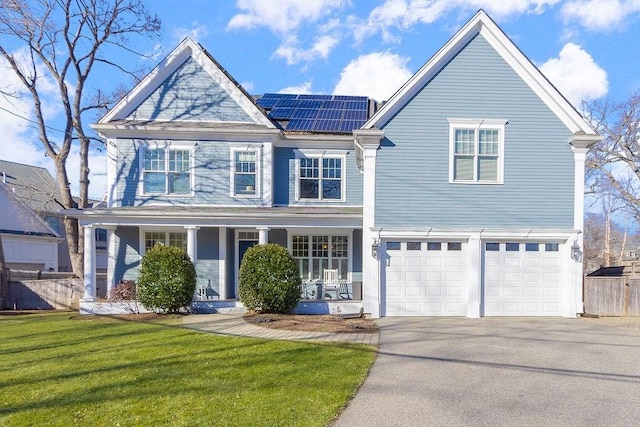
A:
(612, 296)
(34, 290)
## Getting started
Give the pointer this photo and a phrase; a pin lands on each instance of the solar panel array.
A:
(316, 113)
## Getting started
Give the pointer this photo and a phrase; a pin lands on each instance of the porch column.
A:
(263, 235)
(89, 264)
(222, 263)
(111, 258)
(367, 142)
(580, 144)
(192, 243)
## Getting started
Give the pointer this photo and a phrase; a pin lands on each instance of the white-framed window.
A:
(316, 252)
(320, 176)
(167, 238)
(476, 151)
(245, 172)
(167, 170)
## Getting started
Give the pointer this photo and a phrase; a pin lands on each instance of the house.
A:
(28, 242)
(460, 196)
(36, 188)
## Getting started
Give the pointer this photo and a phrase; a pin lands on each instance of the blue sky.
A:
(588, 48)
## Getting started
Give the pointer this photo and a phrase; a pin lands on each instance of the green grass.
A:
(64, 369)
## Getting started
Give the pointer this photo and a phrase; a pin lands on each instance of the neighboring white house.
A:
(37, 190)
(29, 243)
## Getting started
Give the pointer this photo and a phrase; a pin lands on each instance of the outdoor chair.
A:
(330, 282)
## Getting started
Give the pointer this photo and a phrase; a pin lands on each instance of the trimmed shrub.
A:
(269, 280)
(167, 279)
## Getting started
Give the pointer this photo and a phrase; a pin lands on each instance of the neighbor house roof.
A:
(33, 185)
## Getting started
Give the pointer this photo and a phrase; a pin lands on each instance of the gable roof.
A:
(482, 24)
(187, 60)
(33, 185)
(17, 217)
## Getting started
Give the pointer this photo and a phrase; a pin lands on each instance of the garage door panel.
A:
(414, 276)
(432, 281)
(522, 283)
(413, 291)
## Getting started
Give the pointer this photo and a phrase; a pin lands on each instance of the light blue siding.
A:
(412, 174)
(127, 253)
(212, 181)
(190, 94)
(284, 180)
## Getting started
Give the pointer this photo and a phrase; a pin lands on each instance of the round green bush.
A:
(167, 279)
(269, 280)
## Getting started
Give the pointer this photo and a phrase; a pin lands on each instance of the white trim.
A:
(482, 24)
(321, 155)
(476, 125)
(144, 145)
(222, 263)
(247, 148)
(112, 171)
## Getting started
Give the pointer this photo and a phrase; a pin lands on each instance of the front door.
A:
(243, 246)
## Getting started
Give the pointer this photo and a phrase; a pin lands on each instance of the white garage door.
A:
(522, 279)
(425, 278)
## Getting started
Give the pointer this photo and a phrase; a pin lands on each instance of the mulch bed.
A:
(312, 323)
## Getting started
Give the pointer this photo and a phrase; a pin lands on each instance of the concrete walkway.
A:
(235, 325)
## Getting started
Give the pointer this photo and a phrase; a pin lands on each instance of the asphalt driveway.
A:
(501, 372)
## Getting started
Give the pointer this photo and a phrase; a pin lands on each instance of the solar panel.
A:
(305, 113)
(357, 105)
(285, 102)
(355, 115)
(321, 125)
(333, 104)
(300, 125)
(349, 125)
(266, 103)
(281, 113)
(315, 97)
(329, 114)
(309, 103)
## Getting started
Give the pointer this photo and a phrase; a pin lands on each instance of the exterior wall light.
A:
(576, 253)
(374, 248)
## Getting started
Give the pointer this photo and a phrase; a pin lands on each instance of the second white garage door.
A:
(522, 279)
(425, 278)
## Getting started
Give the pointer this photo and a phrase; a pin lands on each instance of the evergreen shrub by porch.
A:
(167, 279)
(269, 280)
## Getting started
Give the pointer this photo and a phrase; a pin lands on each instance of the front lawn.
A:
(65, 369)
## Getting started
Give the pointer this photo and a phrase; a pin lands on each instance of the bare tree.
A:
(66, 41)
(613, 165)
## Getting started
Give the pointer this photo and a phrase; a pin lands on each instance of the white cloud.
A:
(248, 86)
(378, 75)
(404, 14)
(197, 32)
(303, 88)
(21, 142)
(576, 75)
(280, 16)
(321, 48)
(602, 15)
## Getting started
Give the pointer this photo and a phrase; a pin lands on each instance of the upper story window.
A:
(321, 178)
(166, 171)
(245, 165)
(476, 148)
